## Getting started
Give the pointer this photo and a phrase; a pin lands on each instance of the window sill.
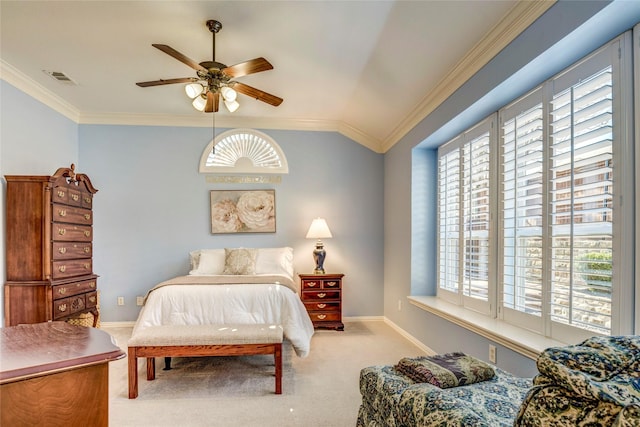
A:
(520, 340)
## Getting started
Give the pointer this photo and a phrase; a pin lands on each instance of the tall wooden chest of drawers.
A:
(322, 297)
(49, 248)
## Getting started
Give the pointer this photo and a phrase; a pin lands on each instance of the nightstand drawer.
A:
(323, 306)
(325, 317)
(315, 295)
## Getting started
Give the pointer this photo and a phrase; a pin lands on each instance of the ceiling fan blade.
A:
(180, 57)
(248, 67)
(167, 81)
(213, 101)
(257, 94)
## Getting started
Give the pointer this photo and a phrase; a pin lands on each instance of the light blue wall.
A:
(34, 140)
(152, 208)
(568, 31)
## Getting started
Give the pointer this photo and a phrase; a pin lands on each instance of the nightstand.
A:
(322, 297)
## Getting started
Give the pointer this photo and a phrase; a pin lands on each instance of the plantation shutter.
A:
(522, 183)
(581, 202)
(449, 220)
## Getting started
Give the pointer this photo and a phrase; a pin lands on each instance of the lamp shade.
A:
(199, 103)
(319, 229)
(228, 94)
(231, 105)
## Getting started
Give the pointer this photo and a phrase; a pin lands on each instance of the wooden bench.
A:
(202, 340)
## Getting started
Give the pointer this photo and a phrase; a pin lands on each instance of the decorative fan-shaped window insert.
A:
(243, 151)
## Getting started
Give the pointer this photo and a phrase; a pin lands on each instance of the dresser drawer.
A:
(325, 316)
(91, 299)
(71, 289)
(68, 306)
(72, 233)
(87, 200)
(71, 214)
(70, 250)
(71, 268)
(322, 306)
(320, 295)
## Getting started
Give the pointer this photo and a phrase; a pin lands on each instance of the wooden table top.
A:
(41, 348)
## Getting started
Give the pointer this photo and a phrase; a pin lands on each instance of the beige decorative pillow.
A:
(240, 261)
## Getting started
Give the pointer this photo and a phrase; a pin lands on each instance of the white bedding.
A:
(195, 300)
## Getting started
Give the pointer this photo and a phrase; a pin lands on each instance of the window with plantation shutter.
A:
(558, 260)
(522, 183)
(464, 188)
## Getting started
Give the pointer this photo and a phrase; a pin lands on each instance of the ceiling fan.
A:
(216, 79)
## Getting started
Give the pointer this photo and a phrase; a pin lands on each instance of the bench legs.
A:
(151, 352)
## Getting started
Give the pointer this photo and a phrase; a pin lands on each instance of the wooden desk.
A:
(55, 374)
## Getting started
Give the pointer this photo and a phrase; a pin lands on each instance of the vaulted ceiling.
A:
(370, 70)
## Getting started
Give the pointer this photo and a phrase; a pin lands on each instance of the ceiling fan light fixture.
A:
(193, 89)
(199, 102)
(228, 94)
(231, 105)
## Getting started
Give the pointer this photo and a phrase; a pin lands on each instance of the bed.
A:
(232, 286)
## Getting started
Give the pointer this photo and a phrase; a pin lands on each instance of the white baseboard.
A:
(410, 337)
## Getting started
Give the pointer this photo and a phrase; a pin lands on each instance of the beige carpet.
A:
(320, 390)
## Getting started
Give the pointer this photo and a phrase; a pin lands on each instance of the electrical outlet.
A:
(492, 353)
(120, 300)
(399, 305)
(139, 300)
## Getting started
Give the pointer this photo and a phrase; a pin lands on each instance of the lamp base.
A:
(319, 255)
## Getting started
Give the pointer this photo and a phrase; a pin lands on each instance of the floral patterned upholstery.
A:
(594, 383)
(390, 399)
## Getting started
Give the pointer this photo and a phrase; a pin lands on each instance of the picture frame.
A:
(243, 211)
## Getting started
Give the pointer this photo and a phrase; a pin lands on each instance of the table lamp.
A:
(319, 230)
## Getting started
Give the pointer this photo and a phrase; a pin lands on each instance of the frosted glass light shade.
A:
(193, 89)
(228, 94)
(199, 103)
(319, 229)
(231, 105)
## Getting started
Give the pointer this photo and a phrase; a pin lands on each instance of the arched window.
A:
(243, 151)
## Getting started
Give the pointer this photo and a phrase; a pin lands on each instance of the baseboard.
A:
(127, 324)
(410, 337)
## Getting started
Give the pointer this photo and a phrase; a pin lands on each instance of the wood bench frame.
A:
(150, 352)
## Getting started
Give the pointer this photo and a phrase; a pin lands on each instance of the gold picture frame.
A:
(243, 211)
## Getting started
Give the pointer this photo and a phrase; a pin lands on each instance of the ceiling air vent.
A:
(59, 76)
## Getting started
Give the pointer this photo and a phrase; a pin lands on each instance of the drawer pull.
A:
(321, 305)
(87, 217)
(62, 291)
(62, 307)
(62, 213)
(92, 299)
(62, 250)
(75, 197)
(61, 231)
(60, 193)
(322, 295)
(322, 316)
(312, 284)
(62, 268)
(87, 200)
(87, 233)
(332, 284)
(92, 284)
(86, 249)
(87, 266)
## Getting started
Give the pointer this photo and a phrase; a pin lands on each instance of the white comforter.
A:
(196, 300)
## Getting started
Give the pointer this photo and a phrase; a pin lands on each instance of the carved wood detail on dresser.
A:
(49, 250)
(322, 297)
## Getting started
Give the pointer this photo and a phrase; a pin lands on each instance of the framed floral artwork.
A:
(243, 211)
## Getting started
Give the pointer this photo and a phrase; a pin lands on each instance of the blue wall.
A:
(565, 33)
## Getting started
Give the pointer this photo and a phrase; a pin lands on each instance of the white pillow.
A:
(275, 261)
(207, 262)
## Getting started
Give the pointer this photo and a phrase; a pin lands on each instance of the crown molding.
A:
(14, 77)
(518, 19)
(523, 14)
